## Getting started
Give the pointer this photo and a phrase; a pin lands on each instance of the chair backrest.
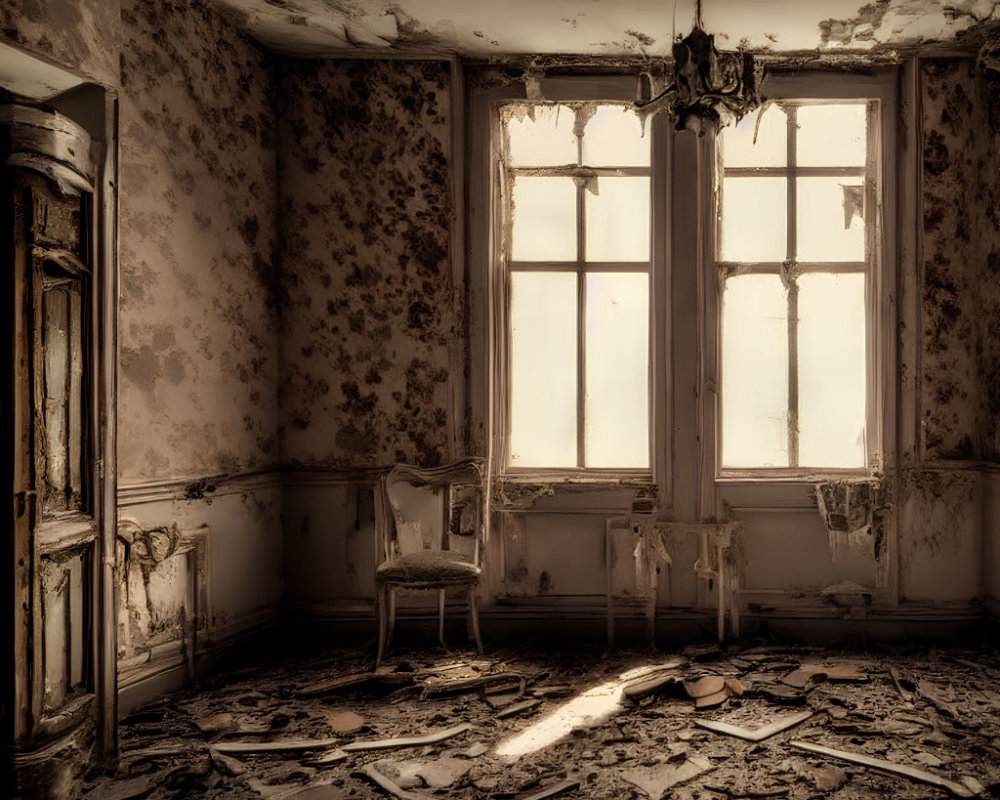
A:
(441, 508)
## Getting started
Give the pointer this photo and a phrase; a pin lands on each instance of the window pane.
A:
(831, 135)
(753, 214)
(616, 425)
(613, 138)
(754, 372)
(543, 369)
(832, 370)
(545, 141)
(771, 148)
(544, 227)
(830, 227)
(617, 220)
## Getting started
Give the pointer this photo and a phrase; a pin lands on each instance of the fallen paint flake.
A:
(656, 780)
(957, 789)
(756, 734)
(475, 750)
(345, 722)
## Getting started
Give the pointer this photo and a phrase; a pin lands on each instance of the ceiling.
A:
(609, 28)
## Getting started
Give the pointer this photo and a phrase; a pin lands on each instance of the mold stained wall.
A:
(989, 299)
(372, 315)
(948, 517)
(198, 315)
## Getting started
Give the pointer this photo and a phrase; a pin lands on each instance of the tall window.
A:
(575, 254)
(795, 251)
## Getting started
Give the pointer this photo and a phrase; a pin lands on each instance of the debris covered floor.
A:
(523, 724)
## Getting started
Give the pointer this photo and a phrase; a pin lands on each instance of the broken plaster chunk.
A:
(712, 700)
(827, 778)
(703, 687)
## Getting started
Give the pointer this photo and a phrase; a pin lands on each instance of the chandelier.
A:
(709, 89)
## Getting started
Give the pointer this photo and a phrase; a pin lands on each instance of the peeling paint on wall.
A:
(82, 35)
(366, 214)
(199, 282)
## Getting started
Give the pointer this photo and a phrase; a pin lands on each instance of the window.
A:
(678, 309)
(796, 252)
(575, 255)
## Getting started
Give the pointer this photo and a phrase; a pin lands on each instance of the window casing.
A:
(685, 341)
(577, 186)
(801, 283)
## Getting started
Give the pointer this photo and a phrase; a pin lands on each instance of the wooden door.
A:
(50, 430)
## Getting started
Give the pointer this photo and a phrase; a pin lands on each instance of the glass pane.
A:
(831, 136)
(830, 224)
(617, 227)
(754, 372)
(546, 140)
(753, 219)
(616, 425)
(832, 370)
(771, 148)
(543, 369)
(544, 227)
(613, 138)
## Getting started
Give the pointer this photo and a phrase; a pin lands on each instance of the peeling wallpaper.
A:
(198, 316)
(371, 310)
(950, 393)
(82, 35)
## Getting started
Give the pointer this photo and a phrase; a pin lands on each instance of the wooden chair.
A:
(429, 527)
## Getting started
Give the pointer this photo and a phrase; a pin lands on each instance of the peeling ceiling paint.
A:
(480, 29)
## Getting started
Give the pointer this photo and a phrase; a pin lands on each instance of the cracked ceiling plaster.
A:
(609, 28)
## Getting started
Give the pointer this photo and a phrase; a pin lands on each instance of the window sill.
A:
(604, 477)
(787, 475)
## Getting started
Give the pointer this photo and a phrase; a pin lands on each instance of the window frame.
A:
(880, 273)
(490, 279)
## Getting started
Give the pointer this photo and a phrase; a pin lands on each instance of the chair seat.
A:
(428, 568)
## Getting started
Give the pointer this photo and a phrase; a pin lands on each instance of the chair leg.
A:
(441, 619)
(392, 615)
(474, 613)
(382, 621)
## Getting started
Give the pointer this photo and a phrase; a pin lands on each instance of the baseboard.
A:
(168, 667)
(586, 619)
